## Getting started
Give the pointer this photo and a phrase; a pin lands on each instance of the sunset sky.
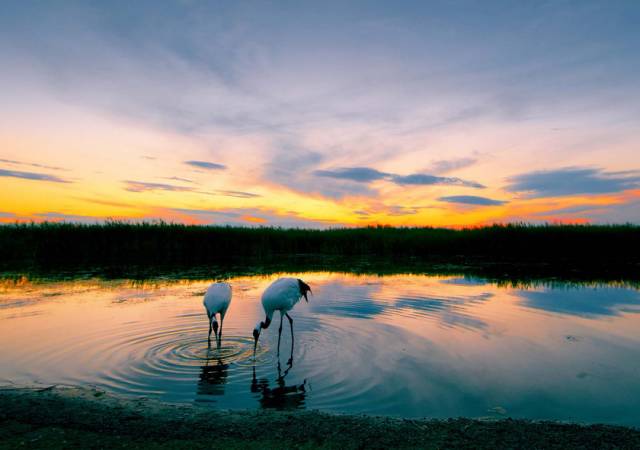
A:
(320, 114)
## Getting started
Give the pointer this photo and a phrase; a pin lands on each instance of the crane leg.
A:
(280, 332)
(209, 337)
(220, 332)
(292, 338)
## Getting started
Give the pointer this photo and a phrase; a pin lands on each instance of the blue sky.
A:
(457, 113)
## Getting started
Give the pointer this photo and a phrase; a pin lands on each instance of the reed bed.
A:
(122, 243)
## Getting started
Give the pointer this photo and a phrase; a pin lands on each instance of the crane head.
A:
(256, 331)
(256, 335)
(304, 288)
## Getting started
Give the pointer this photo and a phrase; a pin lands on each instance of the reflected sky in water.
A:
(402, 345)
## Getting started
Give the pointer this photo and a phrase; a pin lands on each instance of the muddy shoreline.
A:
(70, 417)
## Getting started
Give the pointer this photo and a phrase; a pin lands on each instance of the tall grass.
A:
(119, 243)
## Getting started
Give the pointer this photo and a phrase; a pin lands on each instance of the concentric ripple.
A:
(159, 357)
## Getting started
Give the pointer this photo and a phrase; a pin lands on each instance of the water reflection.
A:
(404, 345)
(213, 376)
(281, 396)
(604, 301)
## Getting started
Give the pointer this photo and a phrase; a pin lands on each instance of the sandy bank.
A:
(67, 417)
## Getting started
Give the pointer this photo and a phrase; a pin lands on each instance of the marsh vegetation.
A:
(569, 251)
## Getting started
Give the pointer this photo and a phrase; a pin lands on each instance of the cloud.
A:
(449, 165)
(358, 174)
(367, 174)
(141, 186)
(32, 176)
(7, 215)
(237, 194)
(22, 163)
(401, 211)
(626, 212)
(471, 200)
(620, 213)
(574, 209)
(291, 164)
(572, 181)
(184, 180)
(571, 210)
(206, 165)
(423, 179)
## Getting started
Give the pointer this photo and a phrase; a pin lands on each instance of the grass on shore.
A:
(119, 244)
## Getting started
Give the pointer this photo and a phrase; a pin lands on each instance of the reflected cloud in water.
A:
(603, 301)
(369, 300)
(450, 310)
(343, 300)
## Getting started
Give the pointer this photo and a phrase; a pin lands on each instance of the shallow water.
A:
(402, 345)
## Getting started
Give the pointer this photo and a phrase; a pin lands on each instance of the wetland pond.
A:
(397, 345)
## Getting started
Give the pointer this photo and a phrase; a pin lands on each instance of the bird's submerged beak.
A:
(256, 335)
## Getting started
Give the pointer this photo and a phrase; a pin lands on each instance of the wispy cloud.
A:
(7, 215)
(572, 210)
(471, 200)
(238, 194)
(358, 174)
(32, 176)
(425, 180)
(206, 165)
(141, 186)
(449, 165)
(402, 211)
(184, 180)
(367, 174)
(622, 212)
(22, 163)
(572, 181)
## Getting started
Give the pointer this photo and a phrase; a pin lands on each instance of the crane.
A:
(216, 301)
(281, 295)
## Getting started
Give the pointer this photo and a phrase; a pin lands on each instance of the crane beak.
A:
(256, 335)
(305, 295)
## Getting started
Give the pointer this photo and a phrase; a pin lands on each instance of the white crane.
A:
(216, 301)
(281, 295)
